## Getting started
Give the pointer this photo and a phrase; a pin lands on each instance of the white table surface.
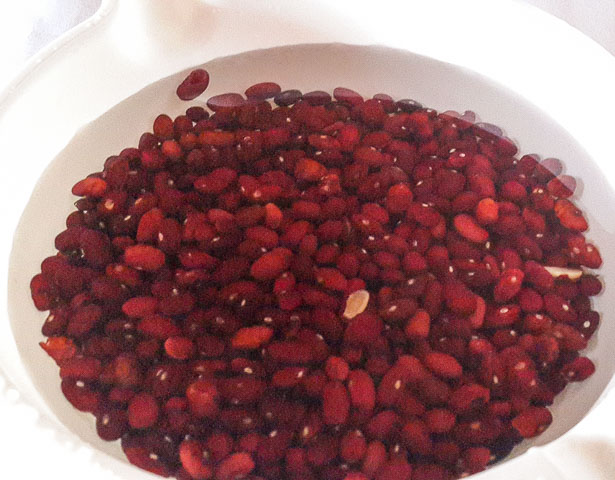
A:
(27, 451)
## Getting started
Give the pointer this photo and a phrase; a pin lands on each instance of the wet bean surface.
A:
(319, 286)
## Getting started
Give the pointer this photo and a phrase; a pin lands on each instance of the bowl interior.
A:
(368, 70)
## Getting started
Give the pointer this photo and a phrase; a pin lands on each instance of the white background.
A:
(30, 24)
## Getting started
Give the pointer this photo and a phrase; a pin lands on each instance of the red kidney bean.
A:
(193, 85)
(322, 287)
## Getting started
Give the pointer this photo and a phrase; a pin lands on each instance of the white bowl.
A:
(369, 70)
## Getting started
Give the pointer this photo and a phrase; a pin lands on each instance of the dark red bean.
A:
(287, 97)
(263, 90)
(193, 85)
(225, 102)
(317, 97)
(346, 95)
(317, 288)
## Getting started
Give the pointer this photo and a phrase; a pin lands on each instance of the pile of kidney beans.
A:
(319, 288)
